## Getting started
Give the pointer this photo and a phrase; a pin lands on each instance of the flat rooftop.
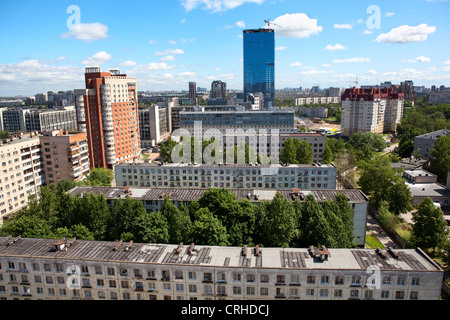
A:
(435, 134)
(191, 194)
(428, 190)
(231, 165)
(419, 173)
(215, 256)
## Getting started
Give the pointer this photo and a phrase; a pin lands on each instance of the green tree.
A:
(151, 227)
(28, 226)
(178, 221)
(315, 229)
(327, 155)
(277, 222)
(165, 150)
(379, 182)
(401, 195)
(288, 153)
(440, 158)
(429, 229)
(304, 151)
(100, 177)
(208, 230)
(237, 217)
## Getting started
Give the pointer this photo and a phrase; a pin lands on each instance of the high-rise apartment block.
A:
(64, 156)
(371, 110)
(193, 92)
(259, 63)
(21, 171)
(107, 111)
(218, 90)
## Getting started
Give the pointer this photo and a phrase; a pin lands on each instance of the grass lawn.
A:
(145, 156)
(372, 242)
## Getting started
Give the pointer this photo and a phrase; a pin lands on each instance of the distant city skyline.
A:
(167, 44)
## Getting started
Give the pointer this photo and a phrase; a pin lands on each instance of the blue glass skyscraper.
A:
(259, 63)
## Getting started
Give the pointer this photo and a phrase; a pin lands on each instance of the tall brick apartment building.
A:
(107, 110)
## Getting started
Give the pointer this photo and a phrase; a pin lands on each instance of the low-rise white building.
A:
(186, 175)
(70, 269)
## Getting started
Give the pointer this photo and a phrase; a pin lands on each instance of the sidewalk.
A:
(375, 229)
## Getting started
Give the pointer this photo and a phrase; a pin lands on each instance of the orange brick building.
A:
(107, 110)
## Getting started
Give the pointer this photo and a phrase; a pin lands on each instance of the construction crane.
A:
(268, 22)
(356, 82)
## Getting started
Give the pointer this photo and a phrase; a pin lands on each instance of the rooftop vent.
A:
(178, 249)
(257, 251)
(244, 251)
(190, 250)
(117, 246)
(14, 240)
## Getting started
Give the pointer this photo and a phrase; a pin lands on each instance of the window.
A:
(399, 295)
(110, 271)
(310, 292)
(356, 280)
(192, 288)
(250, 291)
(237, 290)
(236, 277)
(401, 281)
(339, 280)
(368, 294)
(386, 280)
(415, 281)
(166, 286)
(354, 294)
(385, 294)
(264, 291)
(414, 295)
(323, 293)
(338, 293)
(264, 278)
(310, 279)
(179, 287)
(324, 280)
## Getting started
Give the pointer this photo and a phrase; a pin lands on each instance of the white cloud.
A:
(406, 34)
(186, 41)
(32, 76)
(372, 71)
(351, 60)
(183, 21)
(224, 76)
(172, 42)
(367, 32)
(420, 59)
(314, 72)
(169, 51)
(87, 31)
(128, 63)
(216, 5)
(151, 67)
(280, 48)
(296, 25)
(347, 26)
(97, 59)
(447, 63)
(168, 58)
(240, 24)
(152, 42)
(326, 65)
(53, 61)
(390, 14)
(335, 47)
(296, 64)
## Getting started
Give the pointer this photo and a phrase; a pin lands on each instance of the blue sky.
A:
(166, 44)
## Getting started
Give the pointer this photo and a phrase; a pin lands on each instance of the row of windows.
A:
(207, 291)
(221, 277)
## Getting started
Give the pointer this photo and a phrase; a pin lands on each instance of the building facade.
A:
(71, 269)
(64, 156)
(371, 110)
(193, 92)
(259, 64)
(21, 172)
(218, 90)
(240, 176)
(424, 144)
(107, 110)
(227, 120)
(29, 120)
(155, 124)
